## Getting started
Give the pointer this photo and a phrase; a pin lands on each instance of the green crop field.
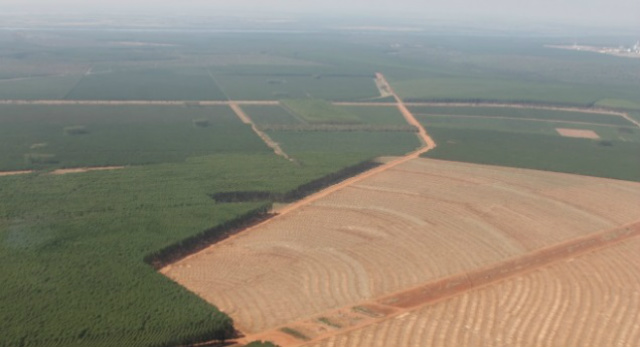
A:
(272, 115)
(151, 84)
(320, 112)
(363, 144)
(379, 115)
(117, 135)
(611, 157)
(53, 87)
(283, 86)
(510, 112)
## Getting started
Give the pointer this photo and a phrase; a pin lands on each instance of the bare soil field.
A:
(590, 300)
(578, 133)
(415, 223)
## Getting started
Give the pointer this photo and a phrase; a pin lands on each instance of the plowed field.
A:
(592, 300)
(413, 224)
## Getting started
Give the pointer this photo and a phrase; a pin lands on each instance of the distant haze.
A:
(582, 12)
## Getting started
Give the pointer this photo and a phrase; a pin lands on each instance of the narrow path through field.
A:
(139, 102)
(267, 140)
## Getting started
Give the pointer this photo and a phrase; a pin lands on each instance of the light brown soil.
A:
(590, 300)
(383, 86)
(423, 220)
(578, 133)
(85, 169)
(13, 173)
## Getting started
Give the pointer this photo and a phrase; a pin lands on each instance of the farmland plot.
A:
(592, 300)
(416, 223)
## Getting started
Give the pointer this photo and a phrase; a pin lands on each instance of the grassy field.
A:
(117, 135)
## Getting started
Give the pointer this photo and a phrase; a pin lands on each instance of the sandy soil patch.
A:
(13, 173)
(578, 133)
(85, 169)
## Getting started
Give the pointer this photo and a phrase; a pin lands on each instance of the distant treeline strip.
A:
(297, 193)
(339, 127)
(193, 244)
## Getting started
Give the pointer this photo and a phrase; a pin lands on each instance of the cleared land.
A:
(578, 133)
(591, 300)
(423, 220)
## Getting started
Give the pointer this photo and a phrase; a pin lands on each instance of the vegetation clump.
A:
(76, 130)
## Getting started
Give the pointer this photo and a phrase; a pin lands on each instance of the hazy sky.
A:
(598, 12)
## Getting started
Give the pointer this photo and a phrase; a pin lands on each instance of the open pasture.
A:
(40, 137)
(589, 300)
(422, 221)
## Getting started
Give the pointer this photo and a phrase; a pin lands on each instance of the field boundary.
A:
(261, 134)
(577, 109)
(524, 119)
(428, 144)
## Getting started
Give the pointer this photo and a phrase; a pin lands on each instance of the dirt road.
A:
(138, 102)
(422, 134)
(267, 140)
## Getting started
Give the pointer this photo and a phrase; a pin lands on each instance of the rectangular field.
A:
(148, 84)
(292, 86)
(39, 136)
(616, 156)
(422, 221)
(523, 113)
